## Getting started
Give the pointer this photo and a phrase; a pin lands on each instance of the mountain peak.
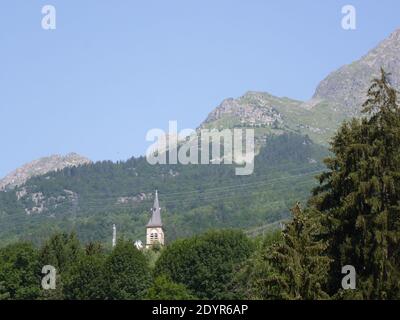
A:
(253, 109)
(395, 35)
(347, 86)
(40, 167)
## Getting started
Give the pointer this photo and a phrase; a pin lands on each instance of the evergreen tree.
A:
(249, 279)
(297, 267)
(360, 196)
(62, 251)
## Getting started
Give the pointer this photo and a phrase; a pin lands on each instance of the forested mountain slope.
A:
(194, 198)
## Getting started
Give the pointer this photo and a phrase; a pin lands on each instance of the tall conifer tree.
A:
(360, 196)
(298, 265)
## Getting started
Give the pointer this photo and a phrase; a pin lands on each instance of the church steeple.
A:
(154, 229)
(155, 220)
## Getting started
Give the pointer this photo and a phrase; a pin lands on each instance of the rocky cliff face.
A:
(268, 115)
(40, 167)
(347, 86)
(338, 97)
(252, 109)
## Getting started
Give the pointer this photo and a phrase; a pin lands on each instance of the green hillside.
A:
(194, 198)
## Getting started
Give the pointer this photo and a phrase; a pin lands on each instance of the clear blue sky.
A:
(112, 70)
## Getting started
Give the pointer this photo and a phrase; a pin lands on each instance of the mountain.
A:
(91, 198)
(41, 167)
(347, 86)
(338, 97)
(291, 135)
(270, 115)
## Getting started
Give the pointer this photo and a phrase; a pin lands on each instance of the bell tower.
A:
(154, 229)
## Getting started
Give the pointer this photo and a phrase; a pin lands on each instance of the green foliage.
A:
(126, 272)
(165, 289)
(299, 264)
(4, 294)
(248, 282)
(205, 264)
(194, 198)
(19, 272)
(353, 218)
(360, 197)
(94, 248)
(61, 251)
(91, 273)
(85, 279)
(293, 266)
(152, 256)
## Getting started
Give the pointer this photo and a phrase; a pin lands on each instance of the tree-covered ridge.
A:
(90, 198)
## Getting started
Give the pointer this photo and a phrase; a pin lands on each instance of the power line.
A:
(260, 177)
(176, 195)
(210, 199)
(208, 195)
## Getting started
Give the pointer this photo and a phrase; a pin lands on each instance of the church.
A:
(154, 229)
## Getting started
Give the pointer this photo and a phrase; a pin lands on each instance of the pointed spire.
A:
(155, 220)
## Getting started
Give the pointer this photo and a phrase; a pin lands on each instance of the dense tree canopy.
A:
(299, 264)
(352, 218)
(205, 264)
(165, 289)
(19, 272)
(195, 198)
(126, 272)
(85, 280)
(360, 196)
(293, 266)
